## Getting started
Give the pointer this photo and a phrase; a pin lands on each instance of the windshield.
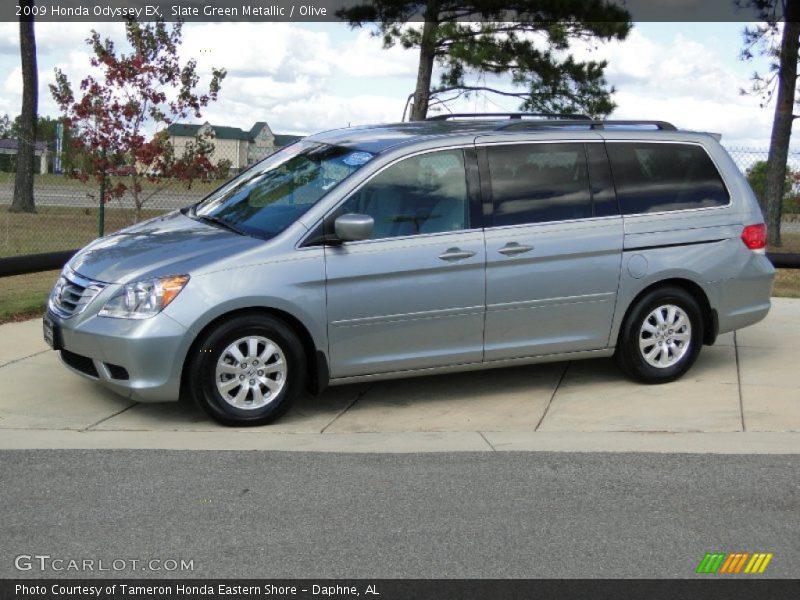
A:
(266, 199)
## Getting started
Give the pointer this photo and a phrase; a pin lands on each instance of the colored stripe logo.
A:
(732, 563)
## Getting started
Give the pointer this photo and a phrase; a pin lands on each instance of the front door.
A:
(412, 296)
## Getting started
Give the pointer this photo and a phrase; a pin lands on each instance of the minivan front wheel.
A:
(248, 370)
(661, 337)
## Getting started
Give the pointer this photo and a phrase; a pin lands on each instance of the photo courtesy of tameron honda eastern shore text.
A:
(450, 244)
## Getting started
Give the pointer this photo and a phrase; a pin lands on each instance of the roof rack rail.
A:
(516, 116)
(591, 123)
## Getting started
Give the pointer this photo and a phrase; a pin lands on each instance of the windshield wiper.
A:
(220, 222)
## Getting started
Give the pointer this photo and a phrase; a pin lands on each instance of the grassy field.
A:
(53, 181)
(62, 228)
(790, 243)
(49, 230)
(787, 283)
(24, 296)
(55, 228)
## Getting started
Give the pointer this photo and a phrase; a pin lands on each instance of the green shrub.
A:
(757, 178)
(791, 205)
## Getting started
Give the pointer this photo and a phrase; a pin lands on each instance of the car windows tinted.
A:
(267, 198)
(536, 183)
(604, 197)
(654, 177)
(418, 195)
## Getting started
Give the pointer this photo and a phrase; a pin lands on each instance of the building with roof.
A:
(242, 148)
(11, 146)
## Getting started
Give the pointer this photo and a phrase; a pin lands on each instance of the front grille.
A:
(84, 364)
(72, 294)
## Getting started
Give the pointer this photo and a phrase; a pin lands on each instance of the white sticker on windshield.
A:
(356, 159)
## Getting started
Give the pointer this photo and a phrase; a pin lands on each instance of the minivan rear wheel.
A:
(661, 337)
(248, 370)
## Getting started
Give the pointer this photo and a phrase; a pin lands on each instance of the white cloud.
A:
(302, 80)
(283, 74)
(308, 114)
(685, 81)
(9, 39)
(280, 50)
(365, 56)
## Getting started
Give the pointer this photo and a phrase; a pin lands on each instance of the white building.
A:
(40, 151)
(242, 148)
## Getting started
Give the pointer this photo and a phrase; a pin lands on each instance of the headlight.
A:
(143, 299)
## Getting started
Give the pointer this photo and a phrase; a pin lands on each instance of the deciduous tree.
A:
(139, 91)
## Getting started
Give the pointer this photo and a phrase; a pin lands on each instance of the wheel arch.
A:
(710, 318)
(316, 359)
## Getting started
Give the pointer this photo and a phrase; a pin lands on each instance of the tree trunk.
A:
(427, 54)
(782, 123)
(23, 184)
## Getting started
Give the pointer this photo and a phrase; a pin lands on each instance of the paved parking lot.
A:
(742, 395)
(426, 495)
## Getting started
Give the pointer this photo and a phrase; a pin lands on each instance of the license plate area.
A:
(52, 335)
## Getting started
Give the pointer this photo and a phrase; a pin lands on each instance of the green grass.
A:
(49, 230)
(55, 228)
(24, 296)
(787, 283)
(53, 181)
(790, 242)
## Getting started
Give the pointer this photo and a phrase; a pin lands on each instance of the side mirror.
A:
(353, 227)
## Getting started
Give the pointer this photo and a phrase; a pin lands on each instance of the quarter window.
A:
(536, 183)
(661, 177)
(418, 195)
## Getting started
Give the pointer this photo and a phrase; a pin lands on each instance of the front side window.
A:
(537, 183)
(267, 198)
(654, 177)
(418, 195)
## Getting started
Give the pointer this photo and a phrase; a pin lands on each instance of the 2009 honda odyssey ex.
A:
(398, 250)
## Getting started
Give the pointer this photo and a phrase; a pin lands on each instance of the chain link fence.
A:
(752, 162)
(68, 215)
(68, 210)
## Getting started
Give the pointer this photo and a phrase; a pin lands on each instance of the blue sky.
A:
(307, 77)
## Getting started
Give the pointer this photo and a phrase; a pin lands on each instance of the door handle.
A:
(513, 248)
(456, 254)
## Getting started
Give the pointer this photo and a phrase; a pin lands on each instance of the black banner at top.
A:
(328, 10)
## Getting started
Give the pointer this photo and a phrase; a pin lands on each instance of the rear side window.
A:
(661, 177)
(537, 183)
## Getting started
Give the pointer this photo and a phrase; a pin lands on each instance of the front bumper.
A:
(139, 359)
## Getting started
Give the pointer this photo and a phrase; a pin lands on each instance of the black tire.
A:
(630, 358)
(202, 373)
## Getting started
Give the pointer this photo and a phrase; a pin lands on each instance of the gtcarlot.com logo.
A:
(46, 562)
(732, 563)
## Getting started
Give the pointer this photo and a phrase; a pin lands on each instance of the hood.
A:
(172, 244)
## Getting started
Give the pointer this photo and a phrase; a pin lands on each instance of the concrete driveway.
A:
(743, 395)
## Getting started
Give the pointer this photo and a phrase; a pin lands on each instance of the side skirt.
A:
(495, 364)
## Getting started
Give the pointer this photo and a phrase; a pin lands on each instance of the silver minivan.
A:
(416, 248)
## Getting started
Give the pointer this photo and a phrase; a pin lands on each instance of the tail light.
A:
(755, 237)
